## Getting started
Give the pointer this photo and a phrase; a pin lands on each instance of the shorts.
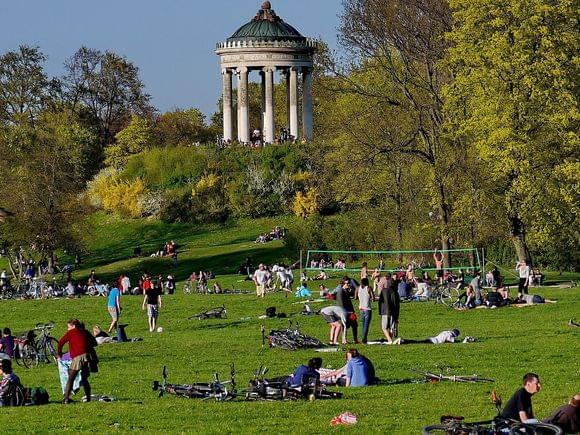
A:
(152, 311)
(114, 313)
(79, 362)
(439, 273)
(330, 318)
(388, 322)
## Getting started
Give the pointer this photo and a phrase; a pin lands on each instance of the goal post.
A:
(466, 259)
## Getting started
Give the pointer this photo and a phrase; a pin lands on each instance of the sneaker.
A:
(397, 341)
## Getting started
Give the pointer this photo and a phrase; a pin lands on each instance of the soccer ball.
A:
(160, 329)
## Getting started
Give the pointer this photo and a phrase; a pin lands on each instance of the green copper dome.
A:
(266, 26)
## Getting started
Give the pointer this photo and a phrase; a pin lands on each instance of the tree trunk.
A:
(519, 239)
(398, 213)
(444, 215)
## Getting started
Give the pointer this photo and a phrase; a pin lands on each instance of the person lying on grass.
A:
(359, 371)
(443, 337)
(526, 300)
(567, 417)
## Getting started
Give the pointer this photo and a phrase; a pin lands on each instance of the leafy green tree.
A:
(404, 42)
(515, 97)
(133, 139)
(25, 89)
(42, 173)
(182, 127)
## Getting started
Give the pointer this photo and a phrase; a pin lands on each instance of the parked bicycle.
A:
(291, 338)
(458, 426)
(218, 390)
(32, 350)
(214, 313)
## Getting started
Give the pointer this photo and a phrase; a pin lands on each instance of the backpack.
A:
(36, 396)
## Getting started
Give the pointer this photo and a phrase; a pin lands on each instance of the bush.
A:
(109, 192)
(177, 206)
(208, 201)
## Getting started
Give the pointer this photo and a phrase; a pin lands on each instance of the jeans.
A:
(366, 316)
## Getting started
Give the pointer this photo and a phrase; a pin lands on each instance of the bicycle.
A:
(98, 290)
(275, 389)
(219, 390)
(290, 339)
(498, 425)
(33, 350)
(446, 294)
(213, 313)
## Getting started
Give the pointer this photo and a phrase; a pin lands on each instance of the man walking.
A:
(261, 279)
(153, 301)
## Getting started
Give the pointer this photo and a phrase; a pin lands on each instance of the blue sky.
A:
(171, 41)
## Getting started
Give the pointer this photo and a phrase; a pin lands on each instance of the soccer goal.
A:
(466, 259)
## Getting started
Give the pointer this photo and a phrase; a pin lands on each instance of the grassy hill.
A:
(510, 342)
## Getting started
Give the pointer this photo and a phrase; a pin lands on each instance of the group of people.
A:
(277, 233)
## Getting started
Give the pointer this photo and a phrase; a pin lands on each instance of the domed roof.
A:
(266, 26)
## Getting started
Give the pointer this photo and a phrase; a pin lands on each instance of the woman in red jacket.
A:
(81, 346)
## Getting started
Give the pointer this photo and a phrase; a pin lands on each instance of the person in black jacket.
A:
(344, 300)
(389, 309)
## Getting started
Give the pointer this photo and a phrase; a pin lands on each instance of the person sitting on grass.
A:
(359, 370)
(8, 383)
(519, 406)
(467, 299)
(321, 276)
(306, 374)
(567, 417)
(442, 337)
(303, 291)
(7, 344)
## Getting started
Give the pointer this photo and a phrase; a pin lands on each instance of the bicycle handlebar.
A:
(42, 326)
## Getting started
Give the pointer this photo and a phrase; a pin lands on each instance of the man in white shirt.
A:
(261, 276)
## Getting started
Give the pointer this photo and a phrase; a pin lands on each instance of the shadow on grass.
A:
(214, 326)
(222, 264)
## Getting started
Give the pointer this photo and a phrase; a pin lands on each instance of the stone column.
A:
(243, 106)
(287, 77)
(263, 90)
(307, 116)
(269, 125)
(227, 104)
(294, 102)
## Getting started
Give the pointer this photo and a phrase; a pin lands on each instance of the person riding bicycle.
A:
(306, 374)
(8, 383)
(519, 406)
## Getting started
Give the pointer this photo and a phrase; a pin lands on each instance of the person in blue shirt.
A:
(305, 375)
(114, 307)
(359, 370)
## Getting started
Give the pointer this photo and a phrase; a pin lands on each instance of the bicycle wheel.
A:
(29, 356)
(50, 347)
(535, 429)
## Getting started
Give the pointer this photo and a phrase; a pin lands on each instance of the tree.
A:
(404, 40)
(104, 90)
(41, 177)
(133, 139)
(25, 89)
(182, 127)
(515, 96)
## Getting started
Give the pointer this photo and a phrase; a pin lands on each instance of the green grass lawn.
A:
(510, 342)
